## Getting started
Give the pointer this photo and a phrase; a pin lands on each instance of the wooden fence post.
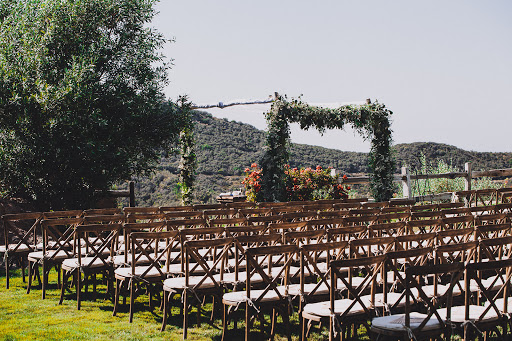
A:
(469, 176)
(406, 184)
(132, 194)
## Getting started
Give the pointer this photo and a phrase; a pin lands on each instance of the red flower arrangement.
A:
(301, 184)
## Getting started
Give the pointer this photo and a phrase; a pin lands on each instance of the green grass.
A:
(28, 317)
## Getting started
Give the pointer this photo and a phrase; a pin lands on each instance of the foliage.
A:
(301, 184)
(234, 145)
(81, 98)
(434, 186)
(370, 120)
(188, 160)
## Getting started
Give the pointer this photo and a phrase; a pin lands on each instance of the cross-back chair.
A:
(273, 298)
(57, 245)
(346, 309)
(138, 278)
(194, 287)
(20, 238)
(425, 321)
(95, 246)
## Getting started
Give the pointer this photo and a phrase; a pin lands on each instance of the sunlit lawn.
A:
(27, 317)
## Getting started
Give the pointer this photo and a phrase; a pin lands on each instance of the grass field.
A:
(27, 317)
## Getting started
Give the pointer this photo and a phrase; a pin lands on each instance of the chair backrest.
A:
(368, 268)
(377, 204)
(221, 213)
(271, 280)
(423, 226)
(364, 220)
(347, 233)
(495, 248)
(326, 223)
(392, 217)
(386, 229)
(310, 256)
(458, 222)
(20, 231)
(63, 214)
(416, 276)
(166, 209)
(427, 215)
(396, 209)
(364, 211)
(228, 222)
(455, 212)
(414, 241)
(497, 285)
(102, 211)
(180, 215)
(197, 254)
(58, 237)
(369, 247)
(235, 231)
(287, 227)
(425, 207)
(493, 231)
(134, 217)
(104, 219)
(449, 205)
(146, 246)
(486, 197)
(452, 253)
(482, 210)
(300, 216)
(189, 223)
(455, 236)
(491, 218)
(98, 241)
(254, 212)
(264, 220)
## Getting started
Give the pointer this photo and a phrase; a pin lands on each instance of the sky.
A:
(443, 67)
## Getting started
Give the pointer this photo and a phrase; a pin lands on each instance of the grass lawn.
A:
(28, 317)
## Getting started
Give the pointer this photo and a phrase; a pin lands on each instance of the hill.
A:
(225, 148)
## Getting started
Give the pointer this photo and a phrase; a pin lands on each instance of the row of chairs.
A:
(152, 256)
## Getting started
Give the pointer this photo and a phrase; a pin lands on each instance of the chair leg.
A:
(286, 320)
(45, 280)
(132, 298)
(166, 304)
(247, 322)
(29, 277)
(22, 263)
(63, 288)
(78, 288)
(273, 323)
(116, 296)
(224, 321)
(6, 259)
(185, 315)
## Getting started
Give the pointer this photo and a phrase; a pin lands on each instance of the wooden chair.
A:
(326, 223)
(424, 207)
(57, 245)
(456, 236)
(182, 215)
(346, 310)
(459, 222)
(264, 220)
(395, 209)
(194, 288)
(95, 245)
(188, 223)
(426, 324)
(423, 226)
(492, 231)
(387, 229)
(393, 217)
(254, 212)
(456, 212)
(378, 204)
(167, 209)
(449, 205)
(224, 213)
(491, 218)
(347, 233)
(228, 222)
(20, 238)
(364, 212)
(369, 247)
(137, 277)
(473, 318)
(273, 297)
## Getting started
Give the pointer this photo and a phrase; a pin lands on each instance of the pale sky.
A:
(443, 67)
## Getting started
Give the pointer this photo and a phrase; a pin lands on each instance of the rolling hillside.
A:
(225, 148)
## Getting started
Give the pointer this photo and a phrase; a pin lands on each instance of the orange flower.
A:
(254, 165)
(348, 188)
(345, 177)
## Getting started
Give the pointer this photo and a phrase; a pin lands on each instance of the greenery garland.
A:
(188, 162)
(370, 120)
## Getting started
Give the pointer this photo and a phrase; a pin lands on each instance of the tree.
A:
(81, 98)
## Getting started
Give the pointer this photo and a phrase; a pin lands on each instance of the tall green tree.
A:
(81, 97)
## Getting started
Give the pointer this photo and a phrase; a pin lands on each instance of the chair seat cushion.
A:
(139, 270)
(458, 314)
(236, 297)
(88, 262)
(178, 283)
(22, 248)
(396, 322)
(230, 278)
(53, 254)
(294, 289)
(340, 306)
